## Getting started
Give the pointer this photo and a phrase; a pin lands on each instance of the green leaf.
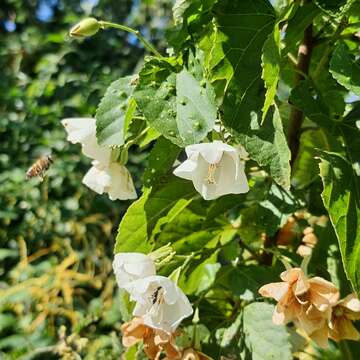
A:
(155, 96)
(187, 233)
(201, 277)
(7, 321)
(131, 353)
(268, 146)
(306, 168)
(266, 213)
(233, 60)
(302, 18)
(149, 136)
(351, 134)
(263, 338)
(178, 10)
(226, 335)
(178, 105)
(115, 112)
(341, 197)
(200, 225)
(161, 159)
(311, 104)
(345, 69)
(137, 225)
(195, 106)
(233, 56)
(270, 62)
(335, 8)
(245, 281)
(8, 253)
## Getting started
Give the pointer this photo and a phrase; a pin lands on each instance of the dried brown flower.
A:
(155, 341)
(340, 325)
(307, 302)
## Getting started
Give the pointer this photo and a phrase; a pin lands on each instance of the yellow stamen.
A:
(211, 173)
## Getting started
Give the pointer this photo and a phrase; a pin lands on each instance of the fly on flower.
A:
(155, 297)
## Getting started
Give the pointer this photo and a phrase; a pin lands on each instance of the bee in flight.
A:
(39, 167)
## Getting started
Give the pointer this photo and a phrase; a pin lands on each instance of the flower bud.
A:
(86, 27)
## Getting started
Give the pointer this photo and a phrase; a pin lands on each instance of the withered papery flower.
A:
(340, 325)
(307, 302)
(155, 341)
(288, 307)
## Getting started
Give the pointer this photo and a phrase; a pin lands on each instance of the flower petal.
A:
(215, 170)
(274, 290)
(160, 302)
(129, 267)
(133, 332)
(121, 185)
(97, 180)
(279, 317)
(187, 169)
(311, 319)
(292, 275)
(351, 303)
(211, 152)
(83, 131)
(343, 329)
(321, 337)
(323, 293)
(79, 130)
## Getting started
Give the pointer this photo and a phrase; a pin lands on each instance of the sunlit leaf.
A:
(341, 197)
(114, 112)
(345, 69)
(263, 338)
(136, 227)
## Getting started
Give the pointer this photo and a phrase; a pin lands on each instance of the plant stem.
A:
(147, 45)
(135, 139)
(296, 115)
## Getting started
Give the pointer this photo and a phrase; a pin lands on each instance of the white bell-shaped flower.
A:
(83, 131)
(113, 179)
(215, 170)
(160, 302)
(129, 267)
(104, 176)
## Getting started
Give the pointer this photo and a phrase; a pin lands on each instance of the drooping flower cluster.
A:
(105, 176)
(160, 304)
(313, 305)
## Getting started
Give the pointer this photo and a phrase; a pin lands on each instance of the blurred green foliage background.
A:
(57, 237)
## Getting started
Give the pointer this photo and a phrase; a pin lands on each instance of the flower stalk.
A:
(147, 45)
